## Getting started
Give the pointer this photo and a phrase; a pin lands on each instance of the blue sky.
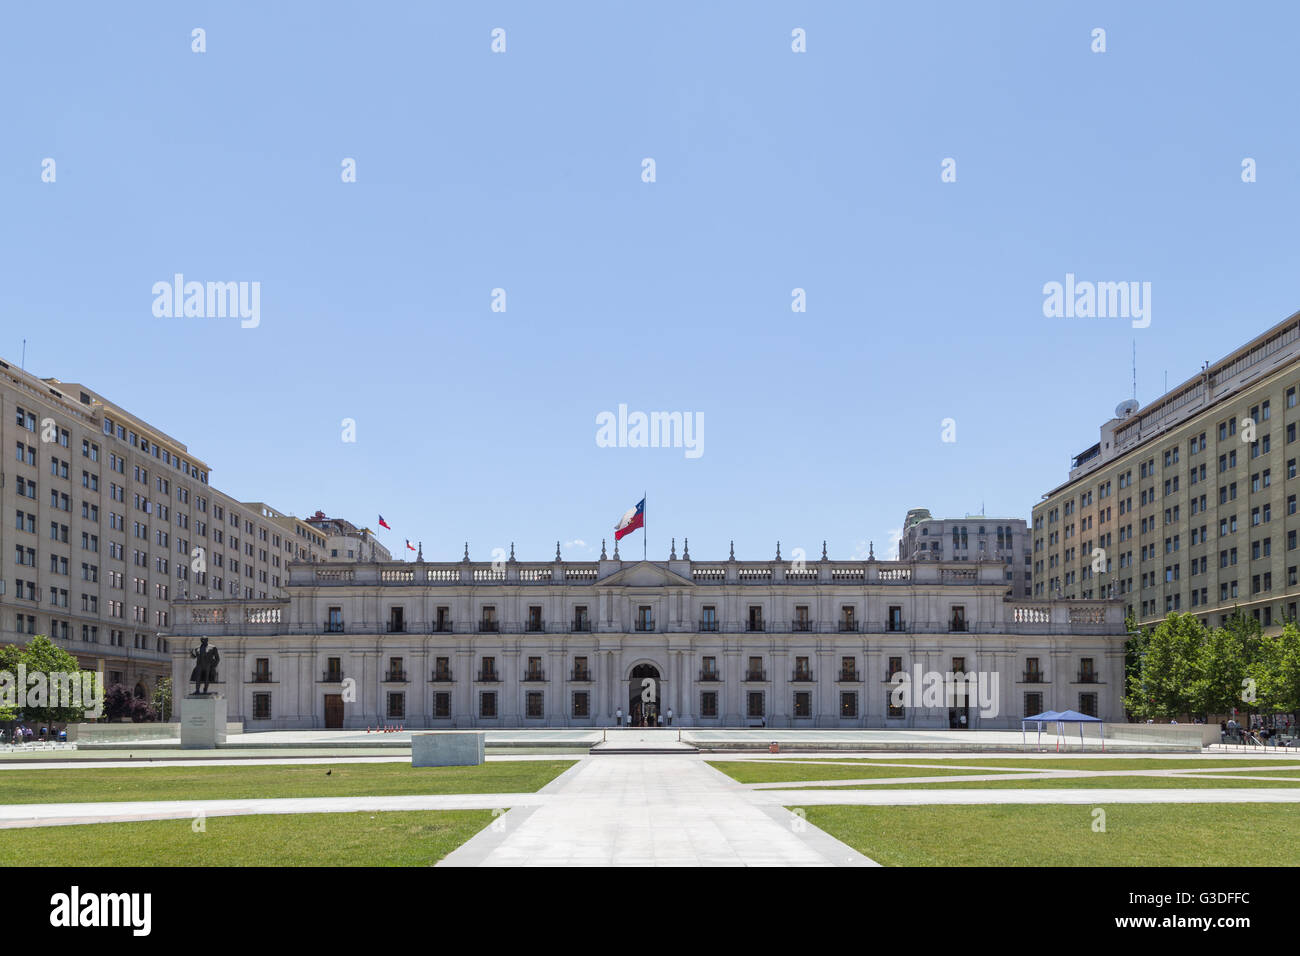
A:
(522, 171)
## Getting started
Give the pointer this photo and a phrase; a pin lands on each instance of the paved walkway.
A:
(635, 810)
(629, 810)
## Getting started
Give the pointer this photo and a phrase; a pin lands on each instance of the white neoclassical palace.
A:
(699, 643)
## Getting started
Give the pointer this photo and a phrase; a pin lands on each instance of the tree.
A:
(1164, 683)
(1224, 657)
(1276, 671)
(118, 703)
(41, 655)
(10, 655)
(162, 699)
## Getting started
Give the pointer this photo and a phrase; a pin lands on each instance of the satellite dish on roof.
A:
(1126, 408)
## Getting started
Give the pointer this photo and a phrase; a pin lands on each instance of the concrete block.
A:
(448, 748)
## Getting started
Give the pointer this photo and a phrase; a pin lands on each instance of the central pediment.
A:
(645, 574)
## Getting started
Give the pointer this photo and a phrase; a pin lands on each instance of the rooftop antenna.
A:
(23, 366)
(1135, 370)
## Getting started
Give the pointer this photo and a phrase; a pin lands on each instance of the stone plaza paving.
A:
(660, 809)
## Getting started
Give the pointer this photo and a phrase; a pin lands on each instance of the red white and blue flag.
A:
(384, 524)
(409, 546)
(635, 518)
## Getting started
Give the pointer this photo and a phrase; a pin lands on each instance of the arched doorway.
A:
(645, 695)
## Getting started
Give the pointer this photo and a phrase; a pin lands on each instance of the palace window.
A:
(535, 704)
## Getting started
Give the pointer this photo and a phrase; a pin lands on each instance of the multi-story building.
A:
(344, 541)
(108, 520)
(974, 537)
(1188, 503)
(718, 643)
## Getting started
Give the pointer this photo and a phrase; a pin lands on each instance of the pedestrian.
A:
(619, 721)
(670, 716)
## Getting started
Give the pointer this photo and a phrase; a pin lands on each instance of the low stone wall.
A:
(111, 733)
(448, 748)
(1192, 735)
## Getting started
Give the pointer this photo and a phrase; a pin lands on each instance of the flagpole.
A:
(645, 534)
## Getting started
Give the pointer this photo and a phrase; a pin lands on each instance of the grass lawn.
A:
(1261, 834)
(774, 771)
(1085, 783)
(1271, 773)
(1075, 763)
(414, 838)
(77, 785)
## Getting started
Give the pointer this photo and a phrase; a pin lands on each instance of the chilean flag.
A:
(409, 546)
(635, 518)
(384, 524)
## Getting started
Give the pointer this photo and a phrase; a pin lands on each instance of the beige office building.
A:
(108, 520)
(1188, 503)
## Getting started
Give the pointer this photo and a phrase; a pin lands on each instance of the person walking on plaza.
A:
(619, 714)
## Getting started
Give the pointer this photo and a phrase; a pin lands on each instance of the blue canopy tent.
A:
(1061, 718)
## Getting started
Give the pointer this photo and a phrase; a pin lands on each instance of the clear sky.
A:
(522, 171)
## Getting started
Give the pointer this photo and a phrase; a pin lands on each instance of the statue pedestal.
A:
(203, 721)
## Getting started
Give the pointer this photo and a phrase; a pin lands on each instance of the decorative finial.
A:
(871, 551)
(557, 551)
(512, 550)
(616, 549)
(823, 549)
(602, 550)
(733, 550)
(466, 550)
(420, 555)
(672, 555)
(778, 550)
(686, 549)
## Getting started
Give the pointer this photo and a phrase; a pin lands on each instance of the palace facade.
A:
(725, 643)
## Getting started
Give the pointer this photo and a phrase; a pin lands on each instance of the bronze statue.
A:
(205, 666)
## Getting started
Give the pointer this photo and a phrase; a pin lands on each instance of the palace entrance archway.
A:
(645, 696)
